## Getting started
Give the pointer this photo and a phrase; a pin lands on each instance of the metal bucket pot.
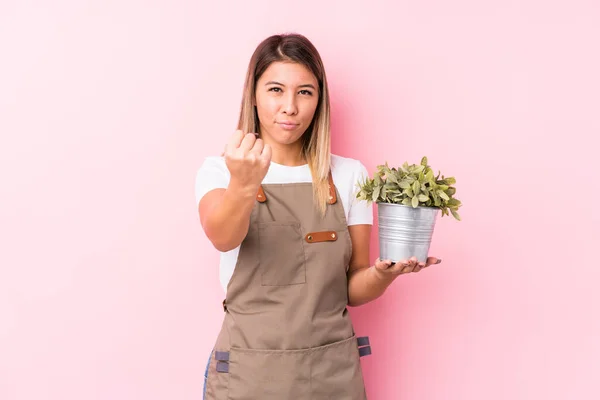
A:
(405, 231)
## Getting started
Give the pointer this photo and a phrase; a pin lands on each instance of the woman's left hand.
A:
(386, 269)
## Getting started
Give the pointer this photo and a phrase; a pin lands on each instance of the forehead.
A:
(288, 73)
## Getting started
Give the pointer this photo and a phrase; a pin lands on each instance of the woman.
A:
(294, 240)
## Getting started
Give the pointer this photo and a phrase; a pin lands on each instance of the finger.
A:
(266, 155)
(412, 261)
(258, 147)
(396, 267)
(235, 141)
(432, 260)
(383, 264)
(408, 268)
(401, 267)
(247, 142)
(267, 152)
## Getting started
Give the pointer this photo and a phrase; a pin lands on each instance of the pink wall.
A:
(109, 288)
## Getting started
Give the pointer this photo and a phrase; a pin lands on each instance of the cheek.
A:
(266, 107)
(310, 110)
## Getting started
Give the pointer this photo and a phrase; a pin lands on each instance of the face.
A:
(287, 95)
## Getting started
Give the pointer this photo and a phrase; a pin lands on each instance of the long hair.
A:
(316, 140)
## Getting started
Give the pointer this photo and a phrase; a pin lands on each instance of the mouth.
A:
(287, 125)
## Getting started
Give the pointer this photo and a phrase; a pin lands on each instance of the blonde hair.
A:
(316, 140)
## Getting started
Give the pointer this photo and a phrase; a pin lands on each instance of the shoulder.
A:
(347, 167)
(212, 174)
(347, 172)
(214, 163)
(213, 168)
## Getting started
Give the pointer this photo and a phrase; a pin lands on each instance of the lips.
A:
(288, 125)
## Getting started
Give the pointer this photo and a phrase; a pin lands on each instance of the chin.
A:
(287, 137)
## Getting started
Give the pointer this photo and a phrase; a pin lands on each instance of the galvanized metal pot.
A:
(405, 231)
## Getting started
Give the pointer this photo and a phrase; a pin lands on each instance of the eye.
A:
(306, 92)
(275, 89)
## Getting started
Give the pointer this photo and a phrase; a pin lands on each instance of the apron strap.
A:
(364, 346)
(261, 197)
(332, 194)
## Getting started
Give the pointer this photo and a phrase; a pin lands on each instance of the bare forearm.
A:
(226, 225)
(365, 285)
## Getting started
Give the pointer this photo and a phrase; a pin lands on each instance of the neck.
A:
(288, 155)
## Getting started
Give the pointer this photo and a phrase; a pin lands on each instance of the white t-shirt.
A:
(346, 173)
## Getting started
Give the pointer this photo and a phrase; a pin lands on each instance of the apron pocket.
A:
(281, 253)
(269, 374)
(336, 371)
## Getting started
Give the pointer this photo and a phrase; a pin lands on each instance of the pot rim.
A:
(402, 205)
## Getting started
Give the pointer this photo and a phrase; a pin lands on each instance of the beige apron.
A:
(286, 332)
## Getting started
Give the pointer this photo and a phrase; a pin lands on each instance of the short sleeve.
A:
(213, 174)
(360, 211)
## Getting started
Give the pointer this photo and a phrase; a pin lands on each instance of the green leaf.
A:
(443, 195)
(423, 198)
(416, 187)
(415, 202)
(376, 192)
(454, 203)
(404, 184)
(429, 175)
(424, 161)
(406, 202)
(455, 215)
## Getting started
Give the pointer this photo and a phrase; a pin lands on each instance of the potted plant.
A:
(409, 199)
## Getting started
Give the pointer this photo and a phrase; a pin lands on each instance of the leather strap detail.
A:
(326, 236)
(332, 194)
(222, 367)
(364, 351)
(260, 196)
(222, 355)
(363, 341)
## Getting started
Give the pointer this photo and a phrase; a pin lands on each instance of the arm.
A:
(225, 215)
(365, 283)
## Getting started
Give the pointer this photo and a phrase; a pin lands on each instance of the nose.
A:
(289, 104)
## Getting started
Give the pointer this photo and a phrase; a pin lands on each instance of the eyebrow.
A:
(281, 84)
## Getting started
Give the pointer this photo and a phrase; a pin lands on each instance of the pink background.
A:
(108, 286)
